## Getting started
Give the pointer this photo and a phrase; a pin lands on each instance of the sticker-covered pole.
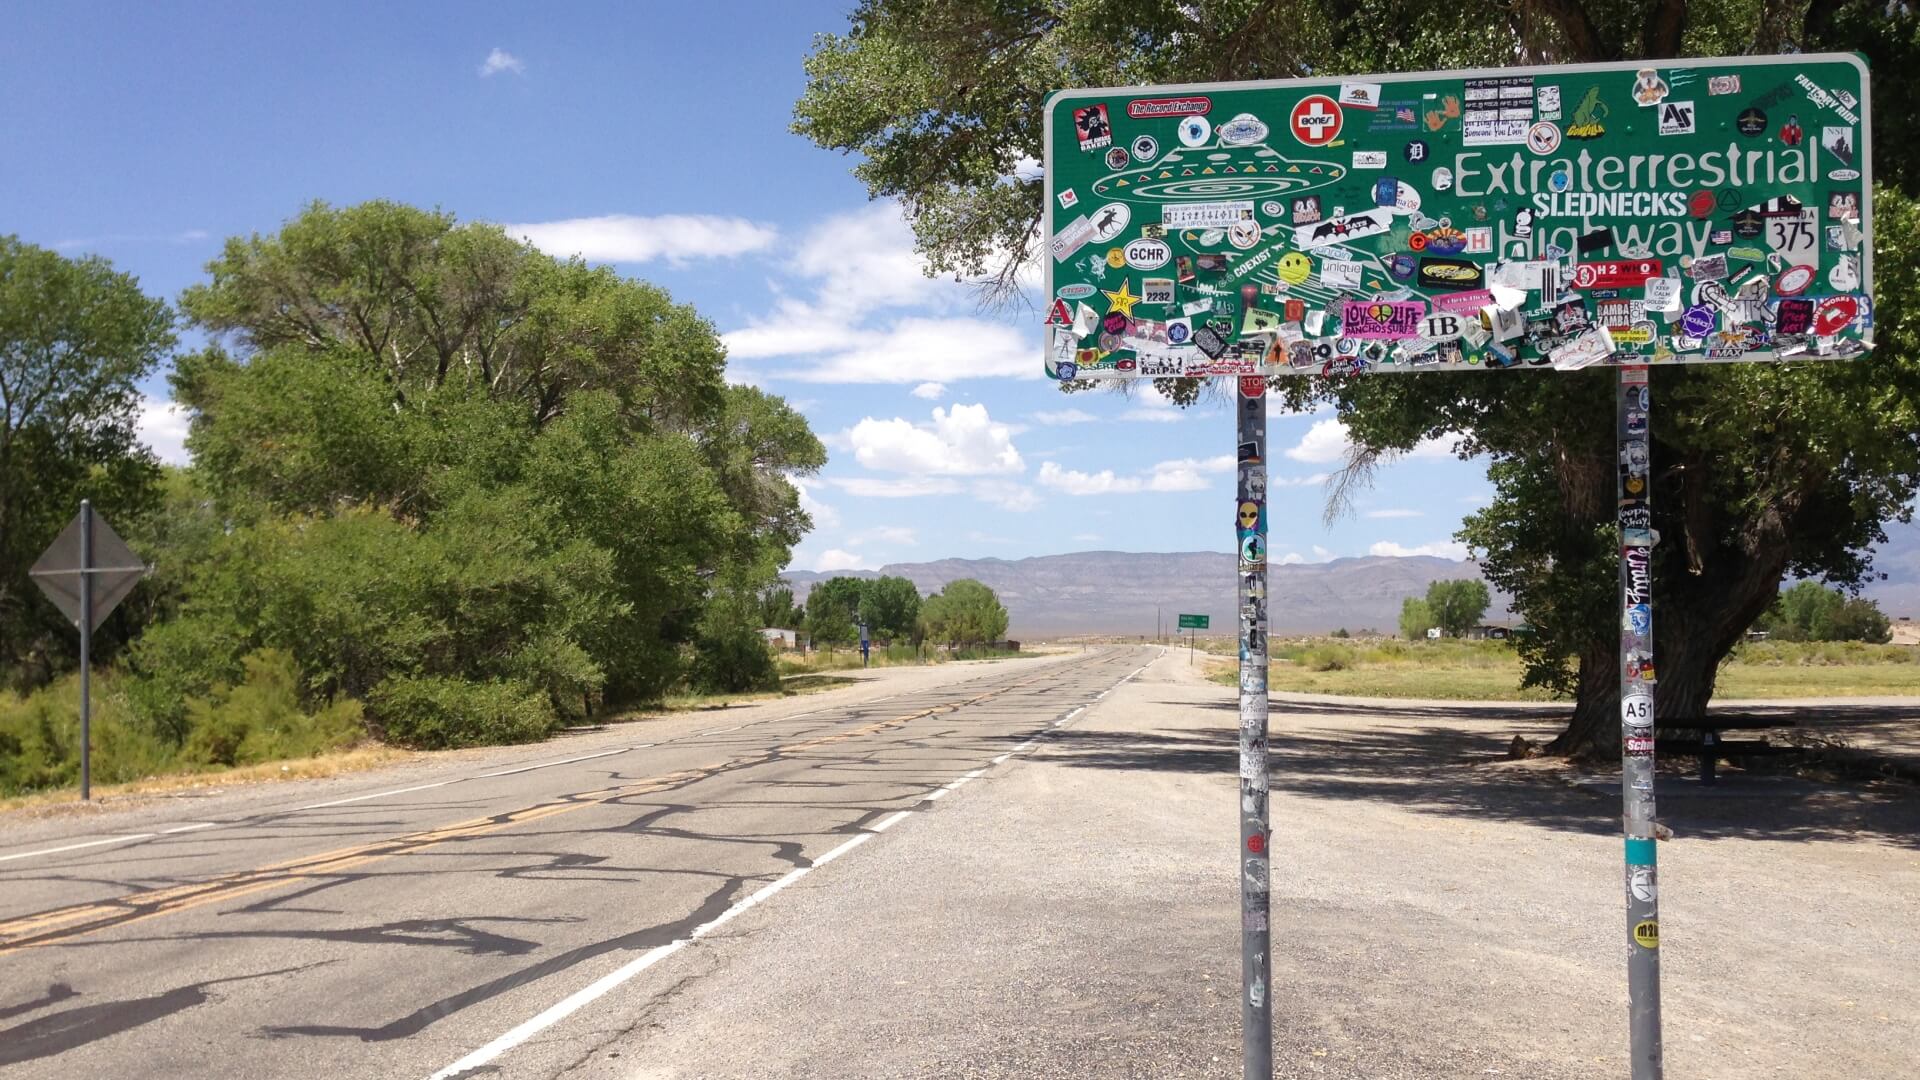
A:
(86, 650)
(1250, 519)
(1633, 413)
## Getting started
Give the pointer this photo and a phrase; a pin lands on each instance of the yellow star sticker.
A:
(1121, 301)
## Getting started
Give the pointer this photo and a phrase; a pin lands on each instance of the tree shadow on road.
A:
(1452, 761)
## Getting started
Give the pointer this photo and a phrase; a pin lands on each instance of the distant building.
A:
(781, 639)
(1492, 632)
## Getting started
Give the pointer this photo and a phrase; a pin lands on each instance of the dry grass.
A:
(1489, 671)
(173, 785)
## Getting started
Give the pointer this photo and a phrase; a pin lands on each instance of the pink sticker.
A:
(1464, 301)
(1381, 319)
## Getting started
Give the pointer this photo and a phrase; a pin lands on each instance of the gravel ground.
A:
(1437, 914)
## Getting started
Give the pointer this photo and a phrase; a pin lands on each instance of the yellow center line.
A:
(80, 919)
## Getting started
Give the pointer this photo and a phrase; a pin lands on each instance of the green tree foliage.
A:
(1810, 611)
(1759, 471)
(964, 613)
(75, 339)
(833, 608)
(480, 489)
(1456, 606)
(890, 606)
(777, 609)
(1416, 618)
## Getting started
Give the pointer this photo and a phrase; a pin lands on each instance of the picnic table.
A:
(1709, 747)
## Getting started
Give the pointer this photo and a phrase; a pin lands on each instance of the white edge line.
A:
(77, 847)
(600, 987)
(188, 828)
(572, 1003)
(376, 795)
(890, 821)
(551, 764)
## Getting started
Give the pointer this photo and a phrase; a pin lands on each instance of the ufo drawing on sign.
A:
(1232, 161)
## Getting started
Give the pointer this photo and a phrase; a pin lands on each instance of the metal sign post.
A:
(1506, 219)
(1193, 624)
(69, 574)
(1634, 413)
(1250, 520)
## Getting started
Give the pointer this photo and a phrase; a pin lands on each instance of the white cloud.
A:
(623, 238)
(911, 487)
(911, 350)
(824, 516)
(836, 559)
(872, 315)
(1154, 407)
(1321, 554)
(887, 534)
(1006, 494)
(187, 236)
(1063, 417)
(1444, 549)
(1292, 558)
(500, 60)
(1180, 474)
(1326, 441)
(1028, 169)
(1380, 514)
(1478, 498)
(1443, 447)
(930, 391)
(963, 441)
(162, 425)
(1087, 538)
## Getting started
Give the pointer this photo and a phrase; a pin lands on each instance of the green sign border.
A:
(1266, 342)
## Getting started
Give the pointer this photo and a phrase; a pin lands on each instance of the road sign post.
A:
(1250, 520)
(1193, 624)
(1634, 415)
(86, 572)
(1621, 214)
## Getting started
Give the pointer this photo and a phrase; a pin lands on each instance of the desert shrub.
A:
(433, 713)
(1329, 658)
(40, 738)
(262, 718)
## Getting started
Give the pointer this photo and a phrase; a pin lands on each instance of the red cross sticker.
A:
(1316, 120)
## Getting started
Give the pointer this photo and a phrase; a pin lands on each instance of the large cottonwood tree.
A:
(1760, 471)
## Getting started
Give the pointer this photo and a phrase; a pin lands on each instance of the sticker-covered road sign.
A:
(1194, 622)
(1708, 210)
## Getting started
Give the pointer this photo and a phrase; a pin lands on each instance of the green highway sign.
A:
(1694, 211)
(1193, 622)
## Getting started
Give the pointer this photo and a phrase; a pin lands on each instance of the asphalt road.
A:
(476, 916)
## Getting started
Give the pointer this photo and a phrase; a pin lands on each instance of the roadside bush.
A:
(1328, 658)
(434, 713)
(731, 660)
(261, 719)
(40, 738)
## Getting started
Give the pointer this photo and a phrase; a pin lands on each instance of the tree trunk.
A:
(1593, 731)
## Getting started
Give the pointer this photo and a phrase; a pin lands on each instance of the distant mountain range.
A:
(1115, 592)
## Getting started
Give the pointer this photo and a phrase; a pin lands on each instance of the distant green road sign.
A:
(1671, 212)
(1193, 622)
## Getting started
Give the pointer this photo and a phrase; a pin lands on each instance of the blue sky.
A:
(653, 137)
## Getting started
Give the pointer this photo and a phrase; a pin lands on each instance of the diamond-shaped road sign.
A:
(114, 566)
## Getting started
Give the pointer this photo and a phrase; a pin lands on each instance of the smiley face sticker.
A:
(1294, 268)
